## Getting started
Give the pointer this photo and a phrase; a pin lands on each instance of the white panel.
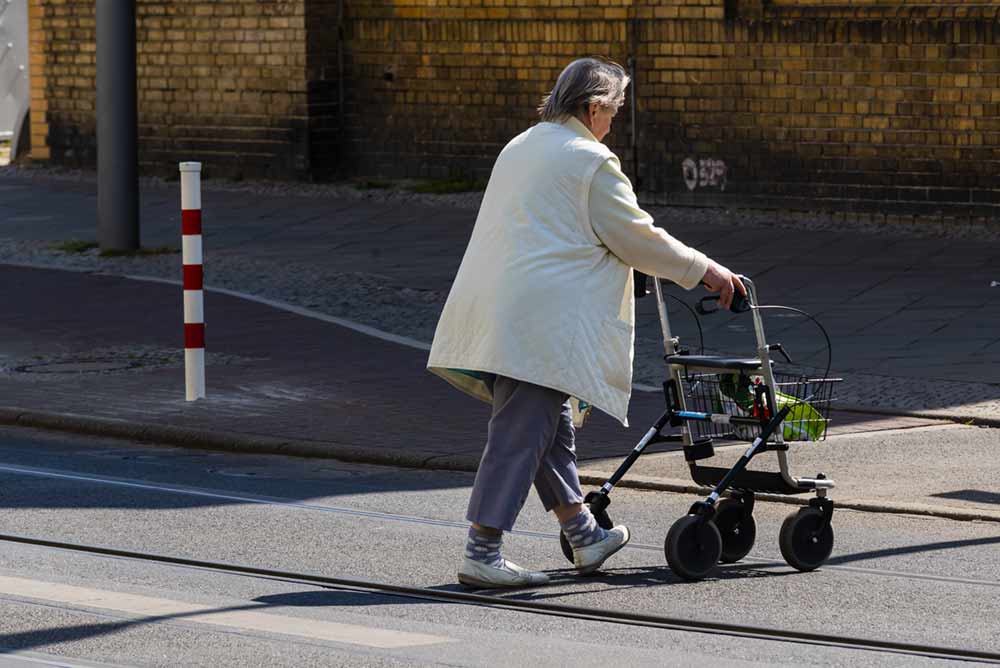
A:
(191, 248)
(194, 307)
(190, 190)
(15, 92)
(194, 374)
(9, 72)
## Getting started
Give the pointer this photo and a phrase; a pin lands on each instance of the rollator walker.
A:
(712, 398)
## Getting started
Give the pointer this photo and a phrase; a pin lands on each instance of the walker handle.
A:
(740, 304)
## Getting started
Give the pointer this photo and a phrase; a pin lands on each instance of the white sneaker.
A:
(588, 559)
(474, 573)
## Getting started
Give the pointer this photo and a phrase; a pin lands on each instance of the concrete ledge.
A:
(971, 420)
(204, 439)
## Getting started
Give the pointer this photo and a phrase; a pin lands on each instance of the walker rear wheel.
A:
(603, 521)
(693, 547)
(738, 529)
(804, 540)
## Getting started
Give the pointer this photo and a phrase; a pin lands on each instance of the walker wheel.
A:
(603, 521)
(738, 528)
(803, 545)
(693, 547)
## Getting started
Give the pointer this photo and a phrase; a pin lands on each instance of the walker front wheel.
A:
(806, 539)
(693, 547)
(603, 521)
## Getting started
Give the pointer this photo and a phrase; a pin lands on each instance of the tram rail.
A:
(532, 607)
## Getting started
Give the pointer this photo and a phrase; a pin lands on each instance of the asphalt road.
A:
(892, 577)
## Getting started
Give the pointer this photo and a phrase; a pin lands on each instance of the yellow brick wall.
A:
(875, 108)
(437, 87)
(884, 106)
(39, 78)
(870, 105)
(219, 81)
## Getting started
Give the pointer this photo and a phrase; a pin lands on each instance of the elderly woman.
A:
(540, 316)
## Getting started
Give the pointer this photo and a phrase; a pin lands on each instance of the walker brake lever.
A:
(779, 348)
(740, 304)
(701, 308)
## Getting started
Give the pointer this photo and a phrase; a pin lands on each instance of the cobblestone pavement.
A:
(911, 310)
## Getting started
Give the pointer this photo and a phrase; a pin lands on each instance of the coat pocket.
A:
(615, 354)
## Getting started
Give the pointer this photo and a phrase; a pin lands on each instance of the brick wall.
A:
(883, 106)
(436, 89)
(325, 63)
(870, 105)
(39, 126)
(219, 81)
(62, 60)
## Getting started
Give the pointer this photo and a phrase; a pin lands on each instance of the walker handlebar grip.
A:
(740, 304)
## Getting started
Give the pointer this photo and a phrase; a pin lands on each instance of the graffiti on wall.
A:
(704, 173)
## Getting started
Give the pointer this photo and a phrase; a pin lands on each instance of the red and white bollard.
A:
(194, 300)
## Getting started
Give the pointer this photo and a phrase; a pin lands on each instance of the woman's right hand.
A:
(719, 279)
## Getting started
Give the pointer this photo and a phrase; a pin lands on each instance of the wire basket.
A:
(742, 395)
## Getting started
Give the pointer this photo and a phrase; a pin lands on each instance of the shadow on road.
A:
(912, 549)
(25, 640)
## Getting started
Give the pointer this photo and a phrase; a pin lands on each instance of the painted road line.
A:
(13, 658)
(162, 609)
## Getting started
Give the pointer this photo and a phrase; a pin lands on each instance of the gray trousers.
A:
(530, 440)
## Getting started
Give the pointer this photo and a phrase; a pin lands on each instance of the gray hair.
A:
(584, 82)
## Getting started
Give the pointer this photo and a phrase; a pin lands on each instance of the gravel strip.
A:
(896, 227)
(399, 192)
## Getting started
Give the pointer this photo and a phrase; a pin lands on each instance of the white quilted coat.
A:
(539, 297)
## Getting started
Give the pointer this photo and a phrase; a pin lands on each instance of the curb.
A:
(970, 420)
(204, 439)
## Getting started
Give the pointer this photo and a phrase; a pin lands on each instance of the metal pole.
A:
(117, 127)
(634, 48)
(635, 130)
(340, 67)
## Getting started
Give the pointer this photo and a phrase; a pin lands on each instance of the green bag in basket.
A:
(803, 423)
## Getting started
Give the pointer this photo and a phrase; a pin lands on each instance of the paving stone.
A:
(387, 260)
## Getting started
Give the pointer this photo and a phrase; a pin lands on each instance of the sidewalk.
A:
(106, 349)
(914, 320)
(99, 354)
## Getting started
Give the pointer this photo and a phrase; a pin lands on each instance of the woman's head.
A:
(590, 89)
